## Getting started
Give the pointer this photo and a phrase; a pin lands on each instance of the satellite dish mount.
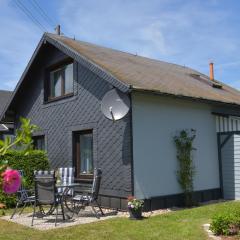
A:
(115, 105)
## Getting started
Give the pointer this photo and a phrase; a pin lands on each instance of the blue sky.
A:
(186, 32)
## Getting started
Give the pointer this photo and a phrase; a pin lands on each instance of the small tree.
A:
(23, 140)
(185, 174)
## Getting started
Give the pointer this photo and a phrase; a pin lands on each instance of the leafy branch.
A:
(23, 138)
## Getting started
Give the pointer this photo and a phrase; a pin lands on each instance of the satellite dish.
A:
(115, 105)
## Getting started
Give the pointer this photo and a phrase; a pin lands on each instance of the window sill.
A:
(84, 180)
(59, 98)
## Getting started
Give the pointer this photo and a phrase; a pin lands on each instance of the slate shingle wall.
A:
(57, 120)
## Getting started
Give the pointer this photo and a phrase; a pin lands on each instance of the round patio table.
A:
(67, 193)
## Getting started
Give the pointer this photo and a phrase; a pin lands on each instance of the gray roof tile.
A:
(142, 73)
(4, 98)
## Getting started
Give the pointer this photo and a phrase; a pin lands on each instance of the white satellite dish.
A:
(115, 105)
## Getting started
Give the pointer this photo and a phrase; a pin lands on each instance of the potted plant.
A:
(135, 207)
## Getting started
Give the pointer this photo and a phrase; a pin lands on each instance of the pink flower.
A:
(11, 181)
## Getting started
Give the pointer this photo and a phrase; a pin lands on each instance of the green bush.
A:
(226, 223)
(35, 160)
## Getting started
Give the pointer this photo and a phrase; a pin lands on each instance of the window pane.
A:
(39, 142)
(11, 136)
(86, 153)
(55, 78)
(69, 78)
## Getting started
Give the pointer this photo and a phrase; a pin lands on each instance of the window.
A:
(83, 142)
(8, 135)
(39, 142)
(3, 136)
(60, 82)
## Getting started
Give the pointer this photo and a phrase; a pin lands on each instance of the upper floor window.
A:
(60, 81)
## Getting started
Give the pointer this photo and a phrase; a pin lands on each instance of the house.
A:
(62, 89)
(6, 128)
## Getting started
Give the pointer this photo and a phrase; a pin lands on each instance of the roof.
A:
(6, 127)
(132, 72)
(142, 73)
(4, 98)
(2, 128)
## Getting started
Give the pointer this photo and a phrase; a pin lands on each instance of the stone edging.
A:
(210, 233)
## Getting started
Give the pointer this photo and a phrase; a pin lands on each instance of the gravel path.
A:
(84, 217)
(48, 222)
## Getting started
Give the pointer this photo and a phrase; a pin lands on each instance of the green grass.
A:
(183, 224)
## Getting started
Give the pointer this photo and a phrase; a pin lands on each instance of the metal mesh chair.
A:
(46, 194)
(90, 198)
(24, 197)
(43, 172)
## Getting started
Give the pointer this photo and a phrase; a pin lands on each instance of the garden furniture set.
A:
(54, 190)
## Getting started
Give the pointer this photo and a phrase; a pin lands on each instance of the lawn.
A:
(182, 224)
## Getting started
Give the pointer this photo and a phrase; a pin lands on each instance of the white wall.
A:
(156, 120)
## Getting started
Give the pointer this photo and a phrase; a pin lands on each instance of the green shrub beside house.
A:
(34, 160)
(226, 222)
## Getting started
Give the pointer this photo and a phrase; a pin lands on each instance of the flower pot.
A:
(135, 214)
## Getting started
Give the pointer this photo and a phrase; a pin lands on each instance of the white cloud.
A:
(187, 32)
(184, 32)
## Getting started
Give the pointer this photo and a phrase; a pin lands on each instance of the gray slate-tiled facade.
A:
(59, 119)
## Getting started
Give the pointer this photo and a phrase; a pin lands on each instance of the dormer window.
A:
(60, 81)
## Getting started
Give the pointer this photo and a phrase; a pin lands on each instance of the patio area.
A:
(48, 222)
(59, 201)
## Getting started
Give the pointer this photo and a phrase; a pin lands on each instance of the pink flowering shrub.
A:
(11, 181)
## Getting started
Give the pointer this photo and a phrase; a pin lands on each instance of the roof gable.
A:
(73, 54)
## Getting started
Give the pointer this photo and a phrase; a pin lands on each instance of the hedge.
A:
(35, 160)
